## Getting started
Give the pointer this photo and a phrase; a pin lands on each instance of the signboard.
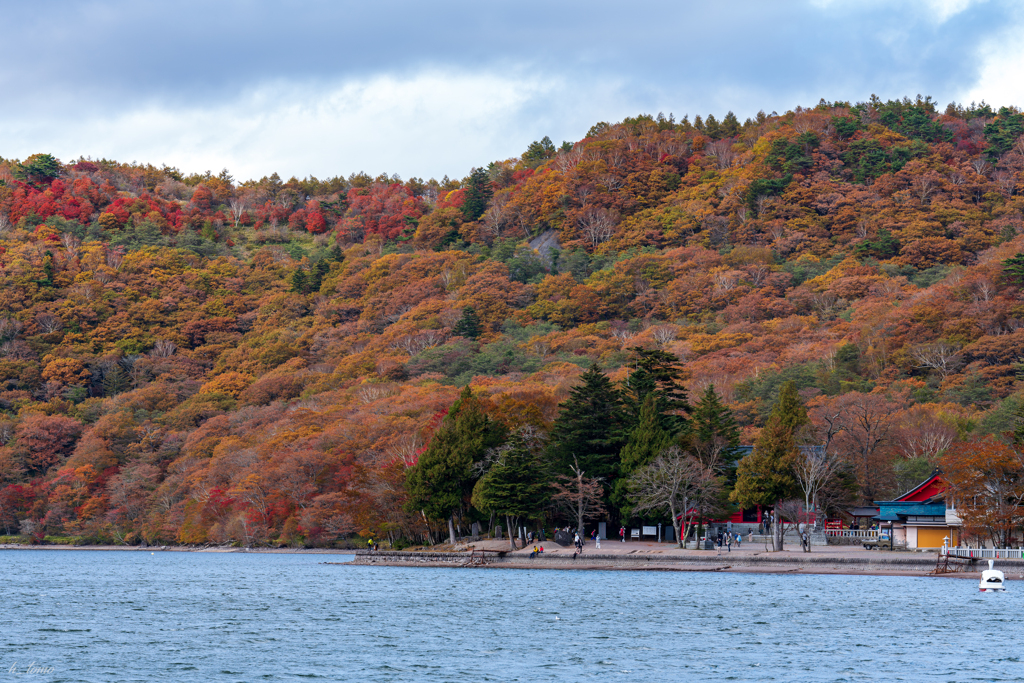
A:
(650, 531)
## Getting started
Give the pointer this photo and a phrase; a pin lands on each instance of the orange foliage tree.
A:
(985, 480)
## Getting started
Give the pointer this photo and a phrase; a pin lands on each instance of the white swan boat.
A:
(991, 580)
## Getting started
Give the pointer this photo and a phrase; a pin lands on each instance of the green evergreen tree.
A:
(712, 128)
(656, 373)
(335, 253)
(47, 280)
(730, 126)
(1013, 269)
(516, 485)
(299, 281)
(765, 477)
(714, 434)
(538, 152)
(115, 381)
(589, 428)
(478, 193)
(442, 480)
(468, 325)
(1003, 132)
(883, 246)
(646, 440)
(316, 276)
(38, 168)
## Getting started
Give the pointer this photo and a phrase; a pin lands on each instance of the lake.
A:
(170, 616)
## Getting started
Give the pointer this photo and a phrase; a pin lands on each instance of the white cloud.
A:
(1001, 60)
(430, 123)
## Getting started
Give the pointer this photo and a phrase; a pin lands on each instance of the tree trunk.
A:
(451, 529)
(511, 532)
(776, 528)
(676, 524)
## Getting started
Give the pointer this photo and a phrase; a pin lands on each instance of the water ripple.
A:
(109, 616)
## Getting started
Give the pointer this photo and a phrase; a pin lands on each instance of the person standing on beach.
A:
(597, 540)
(622, 534)
(728, 542)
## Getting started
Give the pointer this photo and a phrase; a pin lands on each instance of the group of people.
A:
(531, 537)
(727, 538)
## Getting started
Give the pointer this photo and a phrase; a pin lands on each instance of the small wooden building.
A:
(862, 516)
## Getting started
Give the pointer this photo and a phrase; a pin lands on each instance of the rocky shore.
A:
(851, 561)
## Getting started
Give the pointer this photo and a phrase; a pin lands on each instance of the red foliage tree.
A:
(379, 209)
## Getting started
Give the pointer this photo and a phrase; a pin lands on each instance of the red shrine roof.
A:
(930, 488)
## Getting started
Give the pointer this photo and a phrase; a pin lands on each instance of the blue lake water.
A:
(132, 616)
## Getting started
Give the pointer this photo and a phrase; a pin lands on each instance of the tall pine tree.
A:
(442, 480)
(468, 325)
(714, 436)
(646, 441)
(765, 477)
(299, 281)
(478, 193)
(516, 485)
(589, 428)
(656, 373)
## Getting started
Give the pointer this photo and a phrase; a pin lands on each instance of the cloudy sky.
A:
(433, 89)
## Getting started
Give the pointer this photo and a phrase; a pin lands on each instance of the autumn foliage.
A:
(190, 359)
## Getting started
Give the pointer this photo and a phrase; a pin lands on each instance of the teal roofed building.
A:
(921, 517)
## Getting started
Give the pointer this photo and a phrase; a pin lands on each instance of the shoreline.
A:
(186, 549)
(823, 563)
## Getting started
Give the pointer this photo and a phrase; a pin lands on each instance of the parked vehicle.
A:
(884, 540)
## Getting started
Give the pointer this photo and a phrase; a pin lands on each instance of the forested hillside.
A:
(191, 359)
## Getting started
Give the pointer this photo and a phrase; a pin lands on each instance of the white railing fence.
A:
(984, 553)
(852, 533)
